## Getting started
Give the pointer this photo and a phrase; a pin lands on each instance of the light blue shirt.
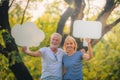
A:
(73, 66)
(51, 63)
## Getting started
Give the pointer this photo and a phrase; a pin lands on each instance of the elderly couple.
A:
(59, 64)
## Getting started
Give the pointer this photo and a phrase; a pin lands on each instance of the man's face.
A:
(55, 41)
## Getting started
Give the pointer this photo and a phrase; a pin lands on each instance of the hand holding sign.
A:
(84, 29)
(27, 34)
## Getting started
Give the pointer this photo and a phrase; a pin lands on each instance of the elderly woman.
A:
(72, 61)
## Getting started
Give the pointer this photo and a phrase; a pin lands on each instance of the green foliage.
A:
(48, 24)
(16, 15)
(106, 63)
(33, 64)
(104, 66)
(5, 73)
(14, 58)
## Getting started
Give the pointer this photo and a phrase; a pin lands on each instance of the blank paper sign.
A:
(90, 29)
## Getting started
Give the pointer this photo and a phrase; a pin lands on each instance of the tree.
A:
(75, 12)
(10, 50)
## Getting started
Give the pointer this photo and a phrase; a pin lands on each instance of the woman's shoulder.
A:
(79, 53)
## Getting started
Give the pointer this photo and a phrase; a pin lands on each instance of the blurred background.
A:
(59, 16)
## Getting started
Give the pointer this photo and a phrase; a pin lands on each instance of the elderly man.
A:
(51, 58)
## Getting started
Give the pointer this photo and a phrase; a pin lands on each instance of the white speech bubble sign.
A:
(87, 29)
(27, 34)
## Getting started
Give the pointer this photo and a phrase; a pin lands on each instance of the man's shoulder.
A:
(61, 50)
(44, 48)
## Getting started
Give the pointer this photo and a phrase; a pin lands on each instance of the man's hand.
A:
(24, 49)
(82, 50)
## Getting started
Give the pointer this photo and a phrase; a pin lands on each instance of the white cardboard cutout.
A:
(87, 29)
(27, 34)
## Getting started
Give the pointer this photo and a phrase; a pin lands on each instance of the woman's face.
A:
(70, 45)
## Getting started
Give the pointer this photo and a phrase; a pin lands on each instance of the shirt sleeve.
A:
(81, 54)
(63, 52)
(42, 50)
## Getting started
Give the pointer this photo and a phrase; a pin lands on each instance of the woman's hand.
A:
(88, 40)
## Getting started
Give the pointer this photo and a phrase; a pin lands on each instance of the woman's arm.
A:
(89, 53)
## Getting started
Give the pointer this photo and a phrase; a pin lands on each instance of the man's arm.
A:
(89, 53)
(35, 54)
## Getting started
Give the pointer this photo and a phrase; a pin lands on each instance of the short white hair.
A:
(59, 35)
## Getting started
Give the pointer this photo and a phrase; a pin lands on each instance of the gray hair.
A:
(60, 36)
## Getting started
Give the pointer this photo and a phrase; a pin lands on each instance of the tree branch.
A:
(110, 5)
(78, 13)
(110, 26)
(63, 19)
(25, 11)
(106, 29)
(11, 3)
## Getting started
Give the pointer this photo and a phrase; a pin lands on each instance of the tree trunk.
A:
(11, 51)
